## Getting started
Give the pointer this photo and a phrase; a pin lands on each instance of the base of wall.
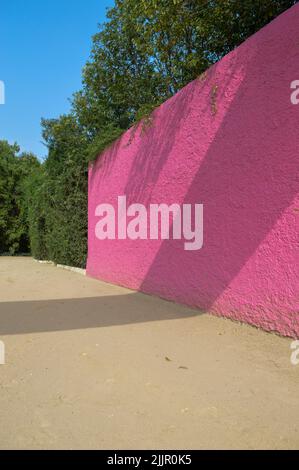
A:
(62, 266)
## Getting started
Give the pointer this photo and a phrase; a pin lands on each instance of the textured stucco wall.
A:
(229, 140)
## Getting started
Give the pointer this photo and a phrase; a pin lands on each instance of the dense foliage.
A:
(145, 52)
(14, 171)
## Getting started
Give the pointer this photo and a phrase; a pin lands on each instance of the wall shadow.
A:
(247, 179)
(26, 317)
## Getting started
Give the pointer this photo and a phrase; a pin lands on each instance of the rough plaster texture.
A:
(229, 140)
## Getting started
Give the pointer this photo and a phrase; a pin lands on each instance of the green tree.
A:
(15, 168)
(65, 191)
(149, 49)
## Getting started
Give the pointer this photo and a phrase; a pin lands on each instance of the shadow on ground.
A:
(92, 312)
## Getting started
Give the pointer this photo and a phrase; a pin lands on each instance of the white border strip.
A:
(62, 266)
(71, 268)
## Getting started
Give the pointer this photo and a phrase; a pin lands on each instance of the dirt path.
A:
(90, 365)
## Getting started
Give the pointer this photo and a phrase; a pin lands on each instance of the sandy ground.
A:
(90, 365)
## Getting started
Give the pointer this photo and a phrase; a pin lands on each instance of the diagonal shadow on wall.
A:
(248, 177)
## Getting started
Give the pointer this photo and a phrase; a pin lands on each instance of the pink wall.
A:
(229, 140)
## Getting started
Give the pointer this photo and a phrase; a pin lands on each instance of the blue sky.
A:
(44, 44)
